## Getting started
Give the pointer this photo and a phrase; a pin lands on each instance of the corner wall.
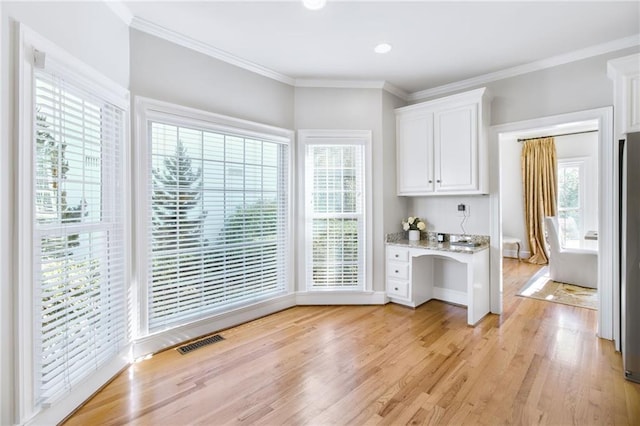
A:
(361, 109)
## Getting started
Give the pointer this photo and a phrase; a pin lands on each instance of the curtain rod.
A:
(555, 136)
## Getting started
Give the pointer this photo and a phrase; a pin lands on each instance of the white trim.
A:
(166, 110)
(59, 60)
(394, 90)
(607, 274)
(621, 71)
(24, 377)
(365, 138)
(121, 10)
(191, 43)
(56, 413)
(553, 61)
(582, 163)
(85, 75)
(339, 84)
(341, 298)
(150, 109)
(352, 84)
(511, 253)
(152, 28)
(156, 342)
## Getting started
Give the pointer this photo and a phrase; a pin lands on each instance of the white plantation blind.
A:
(334, 216)
(218, 220)
(78, 242)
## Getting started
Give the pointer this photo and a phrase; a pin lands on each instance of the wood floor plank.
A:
(538, 363)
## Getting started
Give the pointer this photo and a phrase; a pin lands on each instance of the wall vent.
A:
(200, 343)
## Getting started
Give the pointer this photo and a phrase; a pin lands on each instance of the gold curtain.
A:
(539, 184)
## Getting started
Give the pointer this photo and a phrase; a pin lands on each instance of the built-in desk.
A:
(410, 275)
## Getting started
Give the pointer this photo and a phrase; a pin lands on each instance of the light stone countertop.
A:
(446, 246)
(429, 241)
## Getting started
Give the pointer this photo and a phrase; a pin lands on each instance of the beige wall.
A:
(165, 71)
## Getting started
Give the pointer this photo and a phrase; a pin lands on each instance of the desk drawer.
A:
(397, 254)
(397, 288)
(398, 270)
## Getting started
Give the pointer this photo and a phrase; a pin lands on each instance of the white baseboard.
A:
(156, 342)
(336, 298)
(56, 412)
(513, 253)
(451, 296)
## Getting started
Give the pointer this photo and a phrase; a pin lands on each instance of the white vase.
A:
(414, 235)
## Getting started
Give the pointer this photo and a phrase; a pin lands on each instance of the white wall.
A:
(512, 201)
(90, 32)
(165, 71)
(441, 213)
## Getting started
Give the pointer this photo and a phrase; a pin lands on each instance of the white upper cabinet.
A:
(442, 145)
(456, 149)
(415, 153)
(625, 73)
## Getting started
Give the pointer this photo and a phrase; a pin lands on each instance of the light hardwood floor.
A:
(538, 363)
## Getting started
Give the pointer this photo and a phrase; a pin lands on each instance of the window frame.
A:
(335, 137)
(147, 110)
(29, 58)
(581, 164)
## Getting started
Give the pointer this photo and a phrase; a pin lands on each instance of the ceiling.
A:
(434, 43)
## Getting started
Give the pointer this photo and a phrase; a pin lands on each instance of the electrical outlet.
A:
(463, 210)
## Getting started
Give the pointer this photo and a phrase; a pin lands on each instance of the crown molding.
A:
(339, 84)
(190, 43)
(121, 10)
(394, 90)
(352, 84)
(553, 61)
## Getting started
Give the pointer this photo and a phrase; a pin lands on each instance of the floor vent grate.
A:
(200, 343)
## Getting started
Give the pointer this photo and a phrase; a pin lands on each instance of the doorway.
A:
(576, 146)
(502, 138)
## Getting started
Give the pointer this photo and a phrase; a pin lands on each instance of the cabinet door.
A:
(456, 149)
(415, 154)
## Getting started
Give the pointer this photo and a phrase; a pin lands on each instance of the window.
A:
(218, 219)
(335, 213)
(571, 213)
(72, 227)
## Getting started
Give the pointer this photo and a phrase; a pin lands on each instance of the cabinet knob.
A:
(396, 255)
(396, 288)
(430, 181)
(396, 271)
(438, 181)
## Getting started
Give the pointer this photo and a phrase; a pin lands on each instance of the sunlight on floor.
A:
(537, 285)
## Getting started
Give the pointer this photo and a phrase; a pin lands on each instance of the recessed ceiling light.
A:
(314, 4)
(382, 48)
